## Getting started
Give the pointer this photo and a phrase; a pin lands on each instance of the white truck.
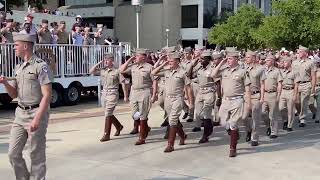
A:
(71, 66)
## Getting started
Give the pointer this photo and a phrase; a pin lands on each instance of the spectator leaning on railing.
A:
(44, 34)
(54, 32)
(77, 37)
(6, 32)
(63, 35)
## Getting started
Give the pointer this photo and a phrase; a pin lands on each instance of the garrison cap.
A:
(174, 55)
(142, 51)
(217, 55)
(45, 21)
(171, 49)
(230, 49)
(251, 53)
(286, 58)
(187, 49)
(302, 48)
(232, 53)
(24, 37)
(206, 53)
(108, 56)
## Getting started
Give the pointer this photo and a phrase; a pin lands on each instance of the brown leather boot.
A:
(117, 124)
(148, 129)
(166, 135)
(208, 129)
(171, 139)
(107, 129)
(143, 131)
(181, 134)
(135, 129)
(233, 143)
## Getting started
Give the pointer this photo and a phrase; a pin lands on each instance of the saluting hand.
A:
(3, 80)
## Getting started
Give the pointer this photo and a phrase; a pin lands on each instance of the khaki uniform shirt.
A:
(256, 75)
(141, 76)
(175, 81)
(45, 37)
(110, 78)
(318, 76)
(30, 76)
(204, 77)
(273, 76)
(289, 78)
(234, 81)
(303, 68)
(63, 37)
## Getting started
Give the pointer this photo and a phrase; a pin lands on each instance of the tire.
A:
(5, 99)
(71, 95)
(56, 97)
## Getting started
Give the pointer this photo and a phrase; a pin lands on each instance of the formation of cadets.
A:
(214, 88)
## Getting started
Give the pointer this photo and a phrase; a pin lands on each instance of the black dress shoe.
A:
(196, 129)
(185, 115)
(313, 116)
(216, 123)
(203, 140)
(317, 121)
(228, 131)
(254, 143)
(296, 114)
(289, 129)
(190, 120)
(273, 136)
(202, 124)
(302, 125)
(165, 123)
(248, 138)
(268, 132)
(285, 125)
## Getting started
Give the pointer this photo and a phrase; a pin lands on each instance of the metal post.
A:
(167, 33)
(138, 23)
(99, 92)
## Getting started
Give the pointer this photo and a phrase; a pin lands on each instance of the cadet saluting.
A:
(32, 87)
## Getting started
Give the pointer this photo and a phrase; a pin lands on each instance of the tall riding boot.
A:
(117, 124)
(107, 129)
(166, 135)
(148, 129)
(233, 143)
(208, 129)
(171, 139)
(135, 129)
(143, 131)
(181, 134)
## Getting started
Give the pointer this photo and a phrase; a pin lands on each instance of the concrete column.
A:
(235, 5)
(200, 41)
(200, 14)
(219, 7)
(262, 5)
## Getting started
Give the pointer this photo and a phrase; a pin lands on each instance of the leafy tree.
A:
(238, 30)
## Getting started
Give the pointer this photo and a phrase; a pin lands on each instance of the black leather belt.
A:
(28, 107)
(270, 91)
(288, 88)
(254, 92)
(302, 82)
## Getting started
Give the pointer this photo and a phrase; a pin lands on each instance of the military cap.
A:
(231, 49)
(302, 48)
(24, 37)
(206, 53)
(271, 56)
(171, 49)
(108, 56)
(232, 53)
(217, 55)
(251, 53)
(187, 49)
(62, 22)
(9, 20)
(286, 58)
(45, 21)
(174, 55)
(142, 51)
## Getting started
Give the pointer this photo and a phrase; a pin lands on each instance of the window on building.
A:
(189, 16)
(106, 21)
(241, 2)
(109, 1)
(227, 6)
(210, 13)
(257, 3)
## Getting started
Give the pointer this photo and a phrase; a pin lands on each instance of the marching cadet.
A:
(143, 92)
(206, 96)
(235, 83)
(306, 71)
(32, 88)
(44, 34)
(111, 81)
(288, 94)
(257, 78)
(186, 64)
(176, 81)
(272, 91)
(316, 97)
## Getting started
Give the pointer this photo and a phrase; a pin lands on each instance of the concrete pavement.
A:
(75, 153)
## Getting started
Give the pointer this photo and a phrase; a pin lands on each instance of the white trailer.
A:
(72, 64)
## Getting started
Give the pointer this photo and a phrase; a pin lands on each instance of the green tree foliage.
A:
(238, 30)
(15, 3)
(293, 22)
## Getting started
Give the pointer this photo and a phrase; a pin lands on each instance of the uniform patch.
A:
(45, 69)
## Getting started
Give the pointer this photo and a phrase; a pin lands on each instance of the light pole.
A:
(138, 7)
(167, 33)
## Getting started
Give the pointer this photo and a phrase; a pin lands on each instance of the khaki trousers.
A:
(286, 106)
(270, 112)
(253, 123)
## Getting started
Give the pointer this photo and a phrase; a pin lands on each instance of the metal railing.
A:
(70, 60)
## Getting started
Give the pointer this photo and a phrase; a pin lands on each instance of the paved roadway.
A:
(75, 153)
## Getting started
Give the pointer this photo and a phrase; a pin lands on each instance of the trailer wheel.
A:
(72, 95)
(5, 99)
(56, 97)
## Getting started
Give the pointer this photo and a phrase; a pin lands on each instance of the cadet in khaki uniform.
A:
(111, 81)
(206, 96)
(316, 98)
(257, 78)
(272, 89)
(235, 83)
(176, 81)
(44, 35)
(306, 71)
(142, 92)
(288, 94)
(32, 88)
